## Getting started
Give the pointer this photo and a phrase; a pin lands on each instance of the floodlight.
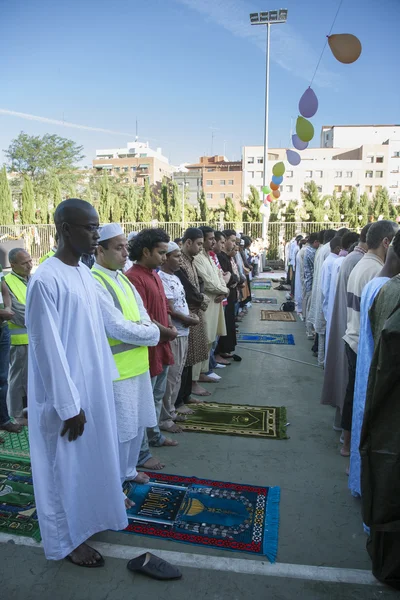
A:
(273, 15)
(264, 17)
(283, 13)
(254, 18)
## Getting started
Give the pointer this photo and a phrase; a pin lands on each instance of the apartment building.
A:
(192, 182)
(337, 165)
(220, 179)
(135, 163)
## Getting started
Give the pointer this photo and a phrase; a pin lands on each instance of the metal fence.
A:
(39, 239)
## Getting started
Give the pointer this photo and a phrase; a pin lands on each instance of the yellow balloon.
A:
(304, 129)
(278, 169)
(346, 48)
(276, 193)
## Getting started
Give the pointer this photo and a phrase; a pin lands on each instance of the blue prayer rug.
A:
(266, 338)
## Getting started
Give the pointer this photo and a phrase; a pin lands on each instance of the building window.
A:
(250, 160)
(396, 154)
(209, 196)
(222, 195)
(318, 174)
(259, 173)
(308, 174)
(319, 189)
(338, 188)
(289, 173)
(230, 195)
(368, 189)
(348, 188)
(209, 182)
(379, 159)
(222, 182)
(378, 188)
(379, 174)
(125, 169)
(143, 155)
(251, 174)
(289, 188)
(370, 159)
(369, 174)
(230, 181)
(349, 174)
(260, 160)
(338, 173)
(133, 169)
(116, 169)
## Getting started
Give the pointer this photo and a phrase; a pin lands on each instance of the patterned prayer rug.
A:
(264, 300)
(262, 285)
(238, 419)
(266, 338)
(17, 502)
(277, 315)
(16, 446)
(228, 516)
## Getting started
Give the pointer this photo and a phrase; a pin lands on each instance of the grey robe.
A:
(336, 368)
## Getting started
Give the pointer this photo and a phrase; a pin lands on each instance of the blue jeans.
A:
(4, 366)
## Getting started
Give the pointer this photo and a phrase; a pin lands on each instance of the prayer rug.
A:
(238, 419)
(228, 516)
(264, 300)
(262, 285)
(277, 315)
(16, 446)
(17, 502)
(266, 338)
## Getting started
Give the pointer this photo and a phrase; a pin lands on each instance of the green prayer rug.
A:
(16, 445)
(238, 419)
(17, 502)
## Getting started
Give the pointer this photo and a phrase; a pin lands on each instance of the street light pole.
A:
(183, 204)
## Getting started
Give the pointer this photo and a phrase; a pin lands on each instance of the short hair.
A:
(335, 242)
(192, 233)
(219, 235)
(364, 231)
(228, 232)
(321, 235)
(206, 229)
(12, 255)
(147, 238)
(177, 240)
(378, 232)
(342, 231)
(396, 244)
(299, 237)
(350, 238)
(247, 241)
(314, 237)
(329, 234)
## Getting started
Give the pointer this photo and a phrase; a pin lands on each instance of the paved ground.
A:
(320, 521)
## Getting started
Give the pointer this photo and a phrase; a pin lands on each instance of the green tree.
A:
(36, 155)
(344, 205)
(105, 200)
(381, 203)
(163, 202)
(313, 202)
(130, 207)
(42, 208)
(88, 196)
(190, 212)
(290, 211)
(251, 212)
(71, 190)
(116, 209)
(28, 202)
(175, 207)
(231, 215)
(334, 210)
(6, 205)
(204, 212)
(364, 209)
(145, 207)
(352, 215)
(57, 195)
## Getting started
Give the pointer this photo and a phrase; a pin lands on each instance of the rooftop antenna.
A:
(213, 130)
(137, 134)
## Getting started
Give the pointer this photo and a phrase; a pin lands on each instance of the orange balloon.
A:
(346, 48)
(273, 186)
(276, 193)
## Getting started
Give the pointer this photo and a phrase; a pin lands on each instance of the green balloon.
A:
(266, 189)
(278, 169)
(304, 129)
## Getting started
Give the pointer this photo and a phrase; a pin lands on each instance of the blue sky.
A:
(183, 67)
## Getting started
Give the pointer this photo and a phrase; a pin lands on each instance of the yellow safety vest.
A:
(19, 335)
(130, 360)
(48, 255)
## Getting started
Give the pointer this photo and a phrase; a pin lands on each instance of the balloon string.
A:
(326, 41)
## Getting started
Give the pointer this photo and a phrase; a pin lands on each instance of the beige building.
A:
(366, 157)
(220, 179)
(135, 163)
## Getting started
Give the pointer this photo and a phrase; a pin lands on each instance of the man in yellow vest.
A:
(51, 252)
(130, 332)
(17, 281)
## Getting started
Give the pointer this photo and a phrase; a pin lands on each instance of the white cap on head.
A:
(242, 242)
(109, 231)
(171, 247)
(132, 235)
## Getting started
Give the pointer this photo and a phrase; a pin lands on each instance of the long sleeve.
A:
(47, 351)
(119, 328)
(212, 281)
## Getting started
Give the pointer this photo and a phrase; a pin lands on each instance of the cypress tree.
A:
(6, 205)
(145, 207)
(204, 212)
(28, 202)
(251, 214)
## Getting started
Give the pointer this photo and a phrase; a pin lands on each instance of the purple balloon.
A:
(293, 157)
(298, 143)
(308, 104)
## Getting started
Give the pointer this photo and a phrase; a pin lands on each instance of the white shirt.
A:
(174, 291)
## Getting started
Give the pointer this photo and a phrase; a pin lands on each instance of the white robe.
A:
(332, 294)
(316, 313)
(134, 402)
(326, 277)
(299, 280)
(77, 485)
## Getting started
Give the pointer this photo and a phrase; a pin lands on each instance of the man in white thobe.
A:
(72, 424)
(326, 276)
(133, 394)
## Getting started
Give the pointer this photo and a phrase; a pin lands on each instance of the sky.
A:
(188, 70)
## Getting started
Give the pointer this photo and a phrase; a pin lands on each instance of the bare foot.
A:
(153, 464)
(141, 478)
(13, 428)
(179, 418)
(172, 429)
(22, 421)
(205, 379)
(345, 451)
(85, 556)
(185, 410)
(220, 360)
(198, 390)
(169, 442)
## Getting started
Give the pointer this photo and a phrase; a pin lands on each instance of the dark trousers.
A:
(186, 387)
(347, 413)
(4, 366)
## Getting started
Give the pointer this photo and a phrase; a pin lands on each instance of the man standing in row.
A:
(308, 268)
(17, 281)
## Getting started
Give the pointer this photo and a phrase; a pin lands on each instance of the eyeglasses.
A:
(91, 228)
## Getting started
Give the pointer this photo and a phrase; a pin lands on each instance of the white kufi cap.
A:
(132, 235)
(109, 231)
(171, 247)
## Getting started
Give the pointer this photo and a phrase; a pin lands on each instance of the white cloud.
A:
(289, 49)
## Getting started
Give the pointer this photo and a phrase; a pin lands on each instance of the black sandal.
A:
(156, 567)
